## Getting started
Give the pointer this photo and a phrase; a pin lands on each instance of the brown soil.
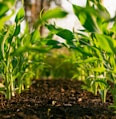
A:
(56, 99)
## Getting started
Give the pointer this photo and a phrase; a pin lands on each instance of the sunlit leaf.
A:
(87, 19)
(112, 61)
(24, 49)
(88, 60)
(113, 29)
(52, 13)
(104, 83)
(4, 8)
(35, 36)
(5, 18)
(98, 69)
(106, 43)
(20, 15)
(9, 3)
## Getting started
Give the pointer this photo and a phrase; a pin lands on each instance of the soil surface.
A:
(56, 99)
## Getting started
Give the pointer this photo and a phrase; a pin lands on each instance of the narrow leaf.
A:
(20, 15)
(35, 36)
(3, 9)
(52, 13)
(17, 30)
(54, 43)
(88, 60)
(66, 34)
(98, 69)
(87, 18)
(106, 43)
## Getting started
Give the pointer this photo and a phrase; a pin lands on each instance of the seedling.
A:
(21, 52)
(94, 45)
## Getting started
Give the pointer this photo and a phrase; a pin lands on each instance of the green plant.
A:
(5, 6)
(94, 47)
(96, 43)
(13, 67)
(94, 84)
(57, 65)
(6, 33)
(21, 52)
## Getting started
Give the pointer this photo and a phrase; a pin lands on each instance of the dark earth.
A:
(56, 99)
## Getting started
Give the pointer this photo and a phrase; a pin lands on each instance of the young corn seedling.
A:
(20, 52)
(11, 67)
(103, 87)
(95, 45)
(97, 40)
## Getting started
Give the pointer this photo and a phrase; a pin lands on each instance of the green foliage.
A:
(65, 34)
(22, 54)
(28, 55)
(97, 47)
(5, 6)
(106, 43)
(13, 68)
(52, 13)
(57, 65)
(94, 48)
(87, 19)
(92, 17)
(20, 16)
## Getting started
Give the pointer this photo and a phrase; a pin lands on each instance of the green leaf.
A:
(52, 28)
(103, 12)
(88, 60)
(26, 29)
(63, 33)
(87, 18)
(106, 43)
(37, 49)
(6, 38)
(4, 19)
(66, 34)
(17, 30)
(20, 15)
(23, 49)
(86, 50)
(98, 69)
(112, 61)
(9, 3)
(35, 36)
(52, 13)
(54, 43)
(4, 8)
(102, 82)
(113, 29)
